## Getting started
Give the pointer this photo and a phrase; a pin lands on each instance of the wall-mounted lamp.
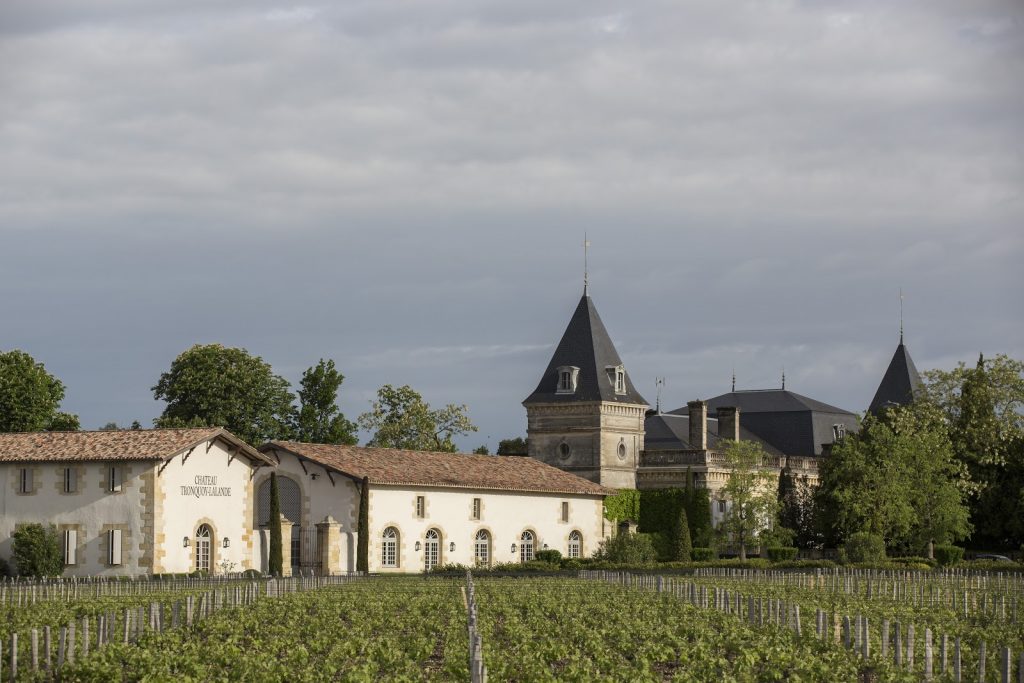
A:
(314, 476)
(513, 548)
(451, 547)
(227, 543)
(545, 546)
(417, 546)
(185, 542)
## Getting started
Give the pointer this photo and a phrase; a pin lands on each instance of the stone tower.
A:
(585, 416)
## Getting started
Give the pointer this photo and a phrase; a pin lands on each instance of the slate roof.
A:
(900, 385)
(791, 423)
(121, 444)
(454, 470)
(585, 344)
(669, 431)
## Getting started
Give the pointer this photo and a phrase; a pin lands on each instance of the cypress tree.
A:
(682, 546)
(363, 545)
(276, 562)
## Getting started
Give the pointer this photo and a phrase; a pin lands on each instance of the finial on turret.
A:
(901, 316)
(659, 382)
(586, 246)
(734, 378)
(783, 377)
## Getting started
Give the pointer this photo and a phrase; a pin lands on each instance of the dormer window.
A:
(838, 432)
(617, 377)
(567, 376)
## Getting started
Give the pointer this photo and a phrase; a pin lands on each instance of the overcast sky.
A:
(404, 187)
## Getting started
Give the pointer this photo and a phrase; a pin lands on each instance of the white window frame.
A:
(527, 541)
(431, 549)
(567, 379)
(204, 548)
(421, 507)
(389, 548)
(620, 381)
(114, 549)
(70, 547)
(477, 508)
(575, 549)
(565, 511)
(482, 548)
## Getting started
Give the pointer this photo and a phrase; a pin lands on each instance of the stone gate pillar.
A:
(329, 541)
(286, 546)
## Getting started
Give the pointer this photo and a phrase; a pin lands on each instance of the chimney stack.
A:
(698, 425)
(729, 423)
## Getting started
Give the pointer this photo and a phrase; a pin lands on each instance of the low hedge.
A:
(948, 555)
(703, 554)
(781, 554)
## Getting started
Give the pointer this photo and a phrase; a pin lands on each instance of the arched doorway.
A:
(290, 496)
(432, 550)
(204, 548)
(482, 549)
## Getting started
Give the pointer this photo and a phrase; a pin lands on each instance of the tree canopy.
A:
(212, 385)
(319, 420)
(750, 492)
(516, 446)
(400, 418)
(30, 396)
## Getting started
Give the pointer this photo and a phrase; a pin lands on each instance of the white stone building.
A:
(427, 509)
(134, 502)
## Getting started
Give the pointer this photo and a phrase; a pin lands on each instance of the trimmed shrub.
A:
(549, 556)
(5, 569)
(37, 551)
(633, 549)
(252, 574)
(703, 554)
(948, 555)
(275, 562)
(781, 554)
(682, 547)
(865, 547)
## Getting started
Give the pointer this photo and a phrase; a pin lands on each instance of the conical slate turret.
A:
(900, 385)
(587, 349)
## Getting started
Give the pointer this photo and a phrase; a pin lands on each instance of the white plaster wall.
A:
(90, 509)
(320, 497)
(504, 514)
(229, 516)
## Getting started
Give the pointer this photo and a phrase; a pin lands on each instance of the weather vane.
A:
(901, 315)
(659, 382)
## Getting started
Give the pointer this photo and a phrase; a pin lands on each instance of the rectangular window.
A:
(114, 547)
(620, 382)
(565, 511)
(25, 480)
(721, 506)
(70, 547)
(114, 479)
(476, 508)
(565, 381)
(421, 507)
(70, 480)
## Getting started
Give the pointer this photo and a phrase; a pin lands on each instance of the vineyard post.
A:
(885, 638)
(866, 640)
(1005, 673)
(35, 647)
(62, 639)
(910, 647)
(945, 652)
(14, 656)
(47, 647)
(85, 636)
(957, 662)
(897, 646)
(981, 662)
(928, 654)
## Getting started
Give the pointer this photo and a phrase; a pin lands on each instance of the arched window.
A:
(482, 549)
(432, 550)
(526, 546)
(575, 545)
(389, 548)
(203, 543)
(291, 507)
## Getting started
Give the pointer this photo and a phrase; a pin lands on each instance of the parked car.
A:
(993, 558)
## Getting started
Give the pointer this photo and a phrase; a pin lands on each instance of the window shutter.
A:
(115, 480)
(70, 546)
(29, 480)
(114, 544)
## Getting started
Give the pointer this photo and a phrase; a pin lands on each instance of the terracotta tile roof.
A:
(456, 470)
(122, 444)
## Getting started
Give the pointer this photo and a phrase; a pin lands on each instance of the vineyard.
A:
(713, 625)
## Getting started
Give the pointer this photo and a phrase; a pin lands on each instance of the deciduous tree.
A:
(319, 420)
(516, 446)
(750, 491)
(37, 551)
(212, 385)
(400, 418)
(30, 396)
